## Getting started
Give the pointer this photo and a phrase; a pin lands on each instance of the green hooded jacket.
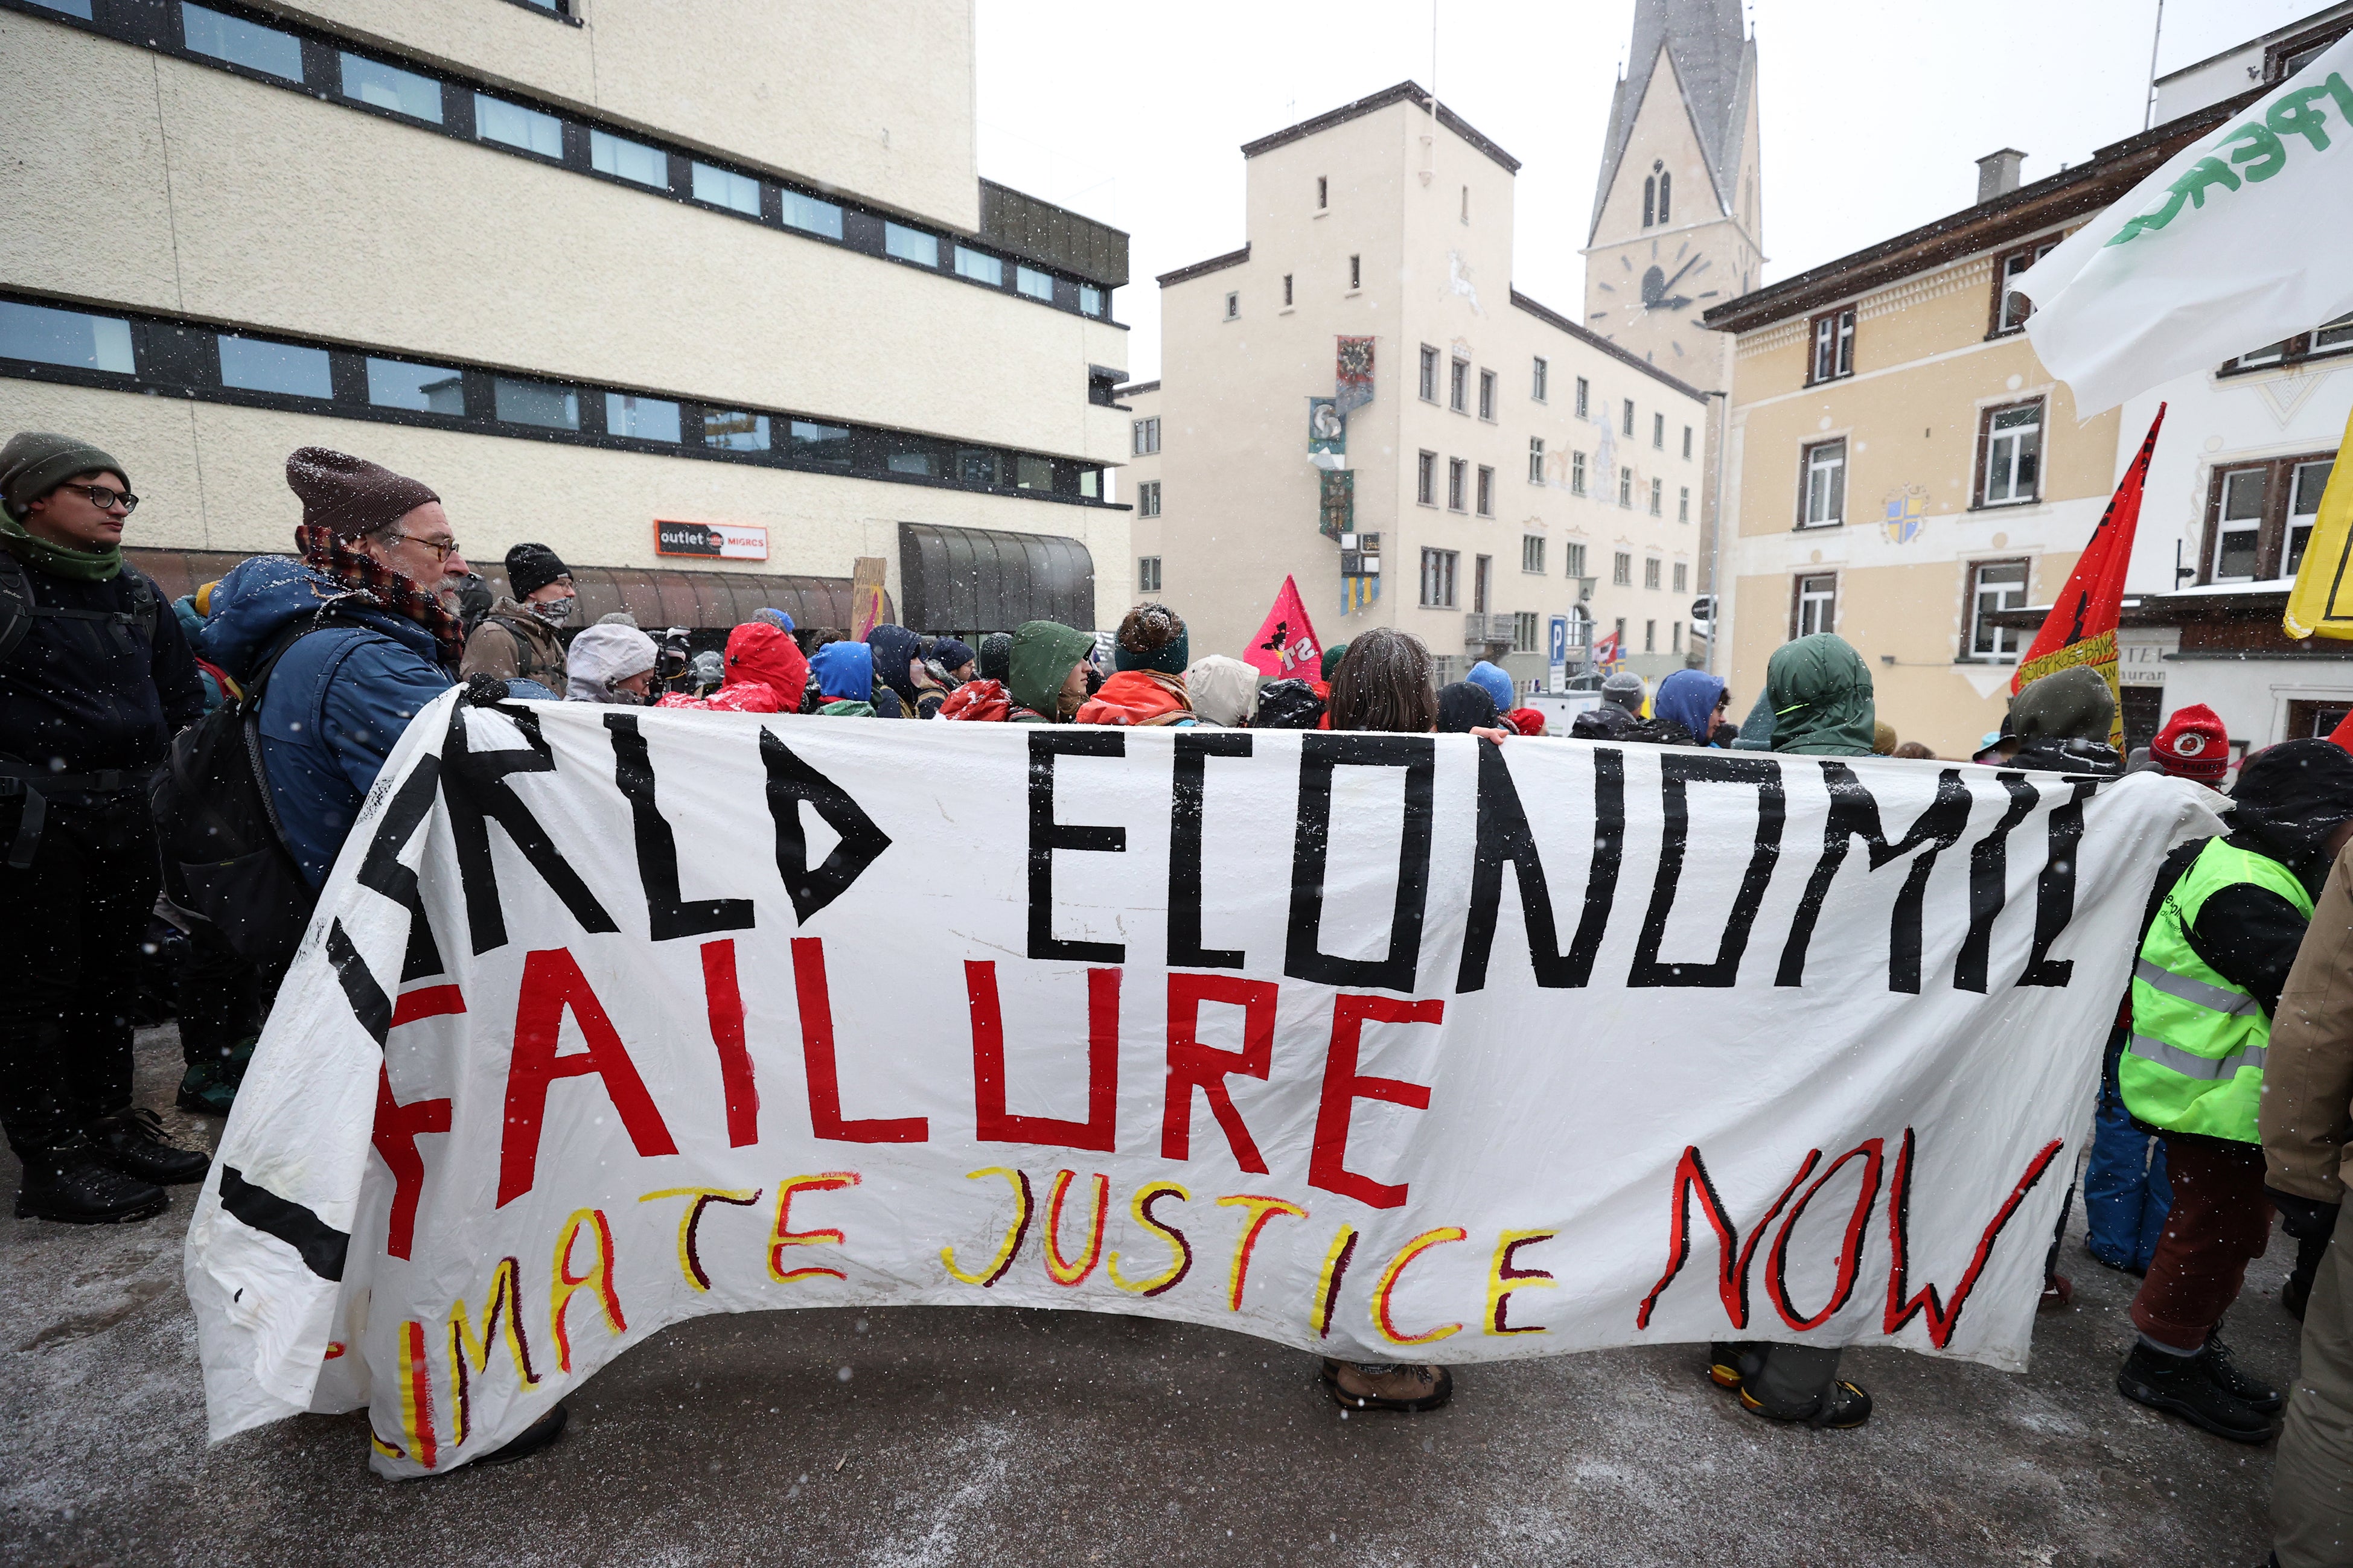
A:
(1820, 692)
(1044, 653)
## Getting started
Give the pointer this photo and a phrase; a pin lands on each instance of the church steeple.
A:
(1713, 73)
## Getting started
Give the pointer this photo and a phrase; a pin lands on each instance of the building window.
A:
(1622, 570)
(403, 92)
(811, 216)
(1090, 300)
(1659, 433)
(1438, 579)
(979, 266)
(1683, 575)
(1482, 572)
(1144, 436)
(641, 418)
(1813, 604)
(1584, 396)
(1147, 498)
(1651, 572)
(1576, 473)
(1626, 488)
(1036, 284)
(512, 125)
(1486, 491)
(1233, 306)
(70, 338)
(911, 245)
(726, 188)
(2011, 308)
(1626, 424)
(1458, 480)
(1676, 637)
(256, 365)
(1683, 505)
(1619, 631)
(540, 402)
(1428, 374)
(1994, 586)
(1426, 479)
(1657, 488)
(2009, 454)
(826, 446)
(1536, 459)
(1541, 383)
(242, 43)
(1687, 442)
(1523, 631)
(1147, 574)
(1466, 203)
(2328, 338)
(1650, 636)
(1531, 554)
(734, 430)
(1355, 272)
(1323, 192)
(1821, 500)
(1486, 394)
(1458, 386)
(426, 388)
(1573, 557)
(2260, 517)
(626, 160)
(1833, 347)
(1286, 289)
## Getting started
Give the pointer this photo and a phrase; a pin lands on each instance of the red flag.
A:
(1286, 645)
(2082, 625)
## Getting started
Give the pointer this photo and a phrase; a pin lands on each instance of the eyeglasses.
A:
(443, 548)
(106, 499)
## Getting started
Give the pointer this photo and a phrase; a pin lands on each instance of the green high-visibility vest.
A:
(2196, 1060)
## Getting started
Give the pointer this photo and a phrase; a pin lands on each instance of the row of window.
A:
(1988, 587)
(1458, 389)
(1649, 635)
(47, 343)
(1830, 334)
(268, 50)
(2008, 466)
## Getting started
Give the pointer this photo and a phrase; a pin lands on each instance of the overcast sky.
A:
(1874, 113)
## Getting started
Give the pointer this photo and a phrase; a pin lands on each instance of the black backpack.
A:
(18, 611)
(226, 855)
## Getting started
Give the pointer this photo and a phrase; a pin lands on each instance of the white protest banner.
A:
(1390, 1046)
(2240, 239)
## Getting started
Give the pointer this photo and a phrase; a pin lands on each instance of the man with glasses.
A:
(364, 632)
(95, 679)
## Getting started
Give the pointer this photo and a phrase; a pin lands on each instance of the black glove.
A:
(2303, 1218)
(484, 691)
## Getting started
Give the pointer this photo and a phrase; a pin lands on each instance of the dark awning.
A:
(985, 580)
(657, 597)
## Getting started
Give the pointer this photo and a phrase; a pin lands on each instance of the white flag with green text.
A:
(2244, 237)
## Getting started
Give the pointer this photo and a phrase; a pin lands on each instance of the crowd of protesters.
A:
(2226, 1094)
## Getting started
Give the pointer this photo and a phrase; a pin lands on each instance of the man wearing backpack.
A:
(95, 677)
(517, 640)
(362, 635)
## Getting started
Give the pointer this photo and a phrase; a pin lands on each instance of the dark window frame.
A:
(1970, 567)
(2298, 348)
(1978, 502)
(2277, 55)
(1797, 581)
(2270, 529)
(1843, 322)
(1427, 382)
(2033, 251)
(1805, 450)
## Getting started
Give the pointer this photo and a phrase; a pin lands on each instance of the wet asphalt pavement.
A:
(955, 1436)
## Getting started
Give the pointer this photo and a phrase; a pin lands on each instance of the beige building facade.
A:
(1512, 467)
(1903, 470)
(576, 269)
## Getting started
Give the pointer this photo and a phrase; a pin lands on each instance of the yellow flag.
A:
(2321, 603)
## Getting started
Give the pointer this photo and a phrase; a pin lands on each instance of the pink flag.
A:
(1285, 646)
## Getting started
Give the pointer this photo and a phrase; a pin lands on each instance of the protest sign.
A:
(1389, 1047)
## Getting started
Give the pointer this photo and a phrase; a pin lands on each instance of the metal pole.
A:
(1715, 624)
(2148, 111)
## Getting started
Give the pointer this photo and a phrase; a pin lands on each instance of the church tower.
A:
(1677, 227)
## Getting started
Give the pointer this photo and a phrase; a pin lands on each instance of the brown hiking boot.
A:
(1384, 1385)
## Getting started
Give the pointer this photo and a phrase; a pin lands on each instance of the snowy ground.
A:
(939, 1435)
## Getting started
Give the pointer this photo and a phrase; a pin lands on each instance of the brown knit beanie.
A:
(350, 496)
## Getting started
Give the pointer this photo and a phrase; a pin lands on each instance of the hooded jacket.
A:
(1223, 691)
(894, 648)
(1465, 706)
(602, 655)
(764, 652)
(337, 701)
(514, 645)
(844, 673)
(2064, 720)
(1043, 655)
(1140, 696)
(977, 701)
(1688, 697)
(1820, 690)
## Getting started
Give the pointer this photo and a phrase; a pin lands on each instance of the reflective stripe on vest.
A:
(2199, 1043)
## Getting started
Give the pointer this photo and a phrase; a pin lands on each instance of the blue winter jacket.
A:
(337, 701)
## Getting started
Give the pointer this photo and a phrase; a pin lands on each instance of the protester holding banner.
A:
(609, 664)
(1694, 700)
(2062, 722)
(843, 676)
(1493, 679)
(899, 666)
(2225, 919)
(1223, 691)
(1821, 701)
(2307, 1122)
(1047, 672)
(94, 678)
(1148, 688)
(1288, 705)
(1465, 708)
(516, 640)
(1620, 709)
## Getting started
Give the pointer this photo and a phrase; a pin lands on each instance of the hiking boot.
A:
(1729, 1364)
(132, 1143)
(2259, 1397)
(73, 1184)
(2182, 1386)
(528, 1441)
(1842, 1407)
(1383, 1385)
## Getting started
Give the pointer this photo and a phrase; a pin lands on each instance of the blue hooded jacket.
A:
(1689, 698)
(336, 703)
(1493, 679)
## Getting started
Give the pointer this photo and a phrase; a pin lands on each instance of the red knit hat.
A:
(2193, 745)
